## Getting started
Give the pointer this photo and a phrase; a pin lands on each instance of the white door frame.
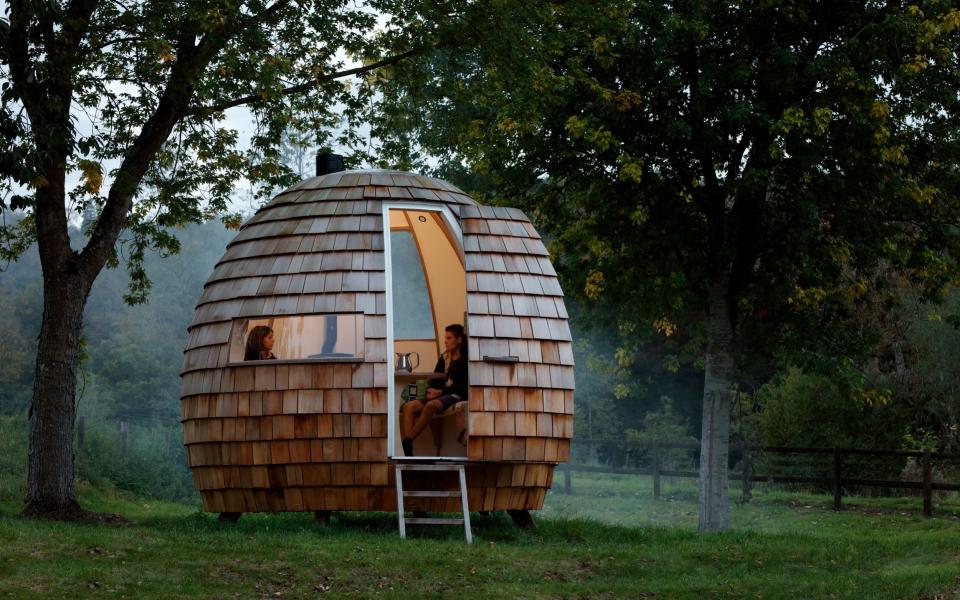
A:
(388, 270)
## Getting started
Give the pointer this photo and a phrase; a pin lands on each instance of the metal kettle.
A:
(403, 361)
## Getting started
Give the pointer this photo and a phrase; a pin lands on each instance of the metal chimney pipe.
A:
(329, 163)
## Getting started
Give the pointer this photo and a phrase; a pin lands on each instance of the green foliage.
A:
(13, 459)
(20, 296)
(132, 354)
(155, 465)
(663, 425)
(618, 385)
(929, 390)
(811, 410)
(802, 409)
(663, 147)
(131, 101)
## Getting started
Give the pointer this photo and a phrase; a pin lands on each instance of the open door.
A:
(426, 291)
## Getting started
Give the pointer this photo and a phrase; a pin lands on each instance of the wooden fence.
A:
(747, 477)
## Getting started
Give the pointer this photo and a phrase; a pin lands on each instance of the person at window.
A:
(259, 344)
(443, 392)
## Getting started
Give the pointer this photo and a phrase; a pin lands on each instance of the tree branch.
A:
(47, 103)
(733, 167)
(306, 86)
(171, 108)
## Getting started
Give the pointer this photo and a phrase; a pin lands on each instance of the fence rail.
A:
(835, 481)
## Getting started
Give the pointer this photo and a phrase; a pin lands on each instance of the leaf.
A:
(20, 202)
(91, 173)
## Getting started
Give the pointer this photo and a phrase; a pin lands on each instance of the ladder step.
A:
(432, 521)
(429, 467)
(431, 494)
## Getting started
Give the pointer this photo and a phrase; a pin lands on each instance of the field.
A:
(608, 540)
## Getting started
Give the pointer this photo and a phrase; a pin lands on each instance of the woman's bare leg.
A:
(429, 409)
(409, 412)
(462, 426)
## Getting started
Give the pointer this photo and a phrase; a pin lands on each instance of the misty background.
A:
(132, 359)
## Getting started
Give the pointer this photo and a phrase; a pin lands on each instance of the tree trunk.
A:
(50, 462)
(715, 439)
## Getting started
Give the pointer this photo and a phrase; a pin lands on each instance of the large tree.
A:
(129, 99)
(732, 162)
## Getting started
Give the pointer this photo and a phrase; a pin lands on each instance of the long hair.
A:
(255, 348)
(457, 330)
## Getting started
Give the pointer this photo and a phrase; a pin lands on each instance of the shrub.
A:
(155, 465)
(662, 425)
(804, 409)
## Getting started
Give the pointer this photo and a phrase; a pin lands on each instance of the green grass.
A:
(610, 539)
(784, 546)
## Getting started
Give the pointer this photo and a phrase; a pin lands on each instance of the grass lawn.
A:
(608, 540)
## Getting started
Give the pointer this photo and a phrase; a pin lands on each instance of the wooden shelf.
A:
(413, 376)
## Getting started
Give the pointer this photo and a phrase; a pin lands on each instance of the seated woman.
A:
(443, 392)
(259, 344)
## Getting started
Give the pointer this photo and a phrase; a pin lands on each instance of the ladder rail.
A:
(466, 508)
(400, 512)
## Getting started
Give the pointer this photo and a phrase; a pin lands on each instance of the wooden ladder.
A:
(432, 466)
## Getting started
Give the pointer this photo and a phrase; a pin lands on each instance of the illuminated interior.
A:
(429, 292)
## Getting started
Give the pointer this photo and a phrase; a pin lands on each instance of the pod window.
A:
(327, 338)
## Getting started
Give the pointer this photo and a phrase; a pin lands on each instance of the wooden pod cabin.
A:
(348, 269)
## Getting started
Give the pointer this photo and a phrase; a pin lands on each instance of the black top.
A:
(254, 355)
(456, 380)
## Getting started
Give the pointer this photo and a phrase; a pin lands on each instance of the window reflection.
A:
(304, 337)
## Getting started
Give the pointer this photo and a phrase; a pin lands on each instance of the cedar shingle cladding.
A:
(313, 436)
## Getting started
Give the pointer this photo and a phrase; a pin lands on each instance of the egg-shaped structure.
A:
(345, 271)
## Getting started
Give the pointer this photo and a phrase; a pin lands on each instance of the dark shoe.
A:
(460, 438)
(407, 444)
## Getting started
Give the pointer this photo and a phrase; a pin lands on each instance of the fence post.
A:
(746, 478)
(124, 430)
(837, 478)
(656, 469)
(927, 484)
(567, 485)
(80, 432)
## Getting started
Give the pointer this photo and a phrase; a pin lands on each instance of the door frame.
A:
(453, 223)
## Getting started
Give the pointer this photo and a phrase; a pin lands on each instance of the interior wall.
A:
(445, 272)
(427, 349)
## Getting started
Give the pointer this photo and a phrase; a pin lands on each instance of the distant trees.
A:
(131, 354)
(732, 168)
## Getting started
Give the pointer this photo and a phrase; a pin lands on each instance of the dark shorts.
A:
(448, 400)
